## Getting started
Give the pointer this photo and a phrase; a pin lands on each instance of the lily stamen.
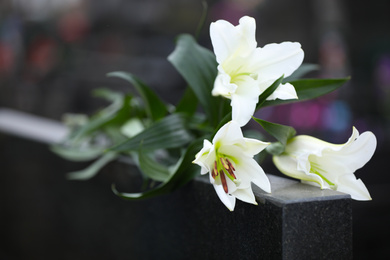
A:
(230, 170)
(224, 163)
(214, 172)
(230, 165)
(223, 180)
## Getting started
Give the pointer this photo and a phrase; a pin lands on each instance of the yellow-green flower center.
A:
(316, 169)
(236, 77)
(223, 168)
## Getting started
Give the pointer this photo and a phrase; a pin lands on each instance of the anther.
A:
(215, 170)
(224, 163)
(230, 170)
(214, 173)
(223, 180)
(230, 165)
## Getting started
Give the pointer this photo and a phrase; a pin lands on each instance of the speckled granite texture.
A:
(295, 221)
(46, 216)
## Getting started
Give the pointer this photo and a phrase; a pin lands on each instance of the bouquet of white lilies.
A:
(168, 143)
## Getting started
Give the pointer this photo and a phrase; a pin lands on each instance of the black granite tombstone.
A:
(49, 217)
(295, 221)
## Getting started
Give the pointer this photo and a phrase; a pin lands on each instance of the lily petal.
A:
(245, 195)
(355, 187)
(284, 92)
(229, 134)
(228, 39)
(244, 101)
(274, 60)
(253, 146)
(254, 172)
(222, 85)
(288, 166)
(361, 149)
(203, 157)
(228, 200)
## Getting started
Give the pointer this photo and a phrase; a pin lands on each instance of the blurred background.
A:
(53, 53)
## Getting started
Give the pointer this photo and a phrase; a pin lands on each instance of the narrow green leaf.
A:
(188, 103)
(76, 154)
(275, 148)
(225, 119)
(181, 171)
(114, 134)
(109, 95)
(94, 124)
(119, 106)
(155, 108)
(301, 71)
(282, 133)
(169, 132)
(226, 114)
(263, 97)
(182, 174)
(93, 169)
(202, 19)
(197, 65)
(310, 88)
(151, 168)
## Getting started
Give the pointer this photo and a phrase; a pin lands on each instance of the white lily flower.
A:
(229, 160)
(331, 166)
(245, 70)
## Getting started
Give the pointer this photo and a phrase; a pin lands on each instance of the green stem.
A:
(202, 20)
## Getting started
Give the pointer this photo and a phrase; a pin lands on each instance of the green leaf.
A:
(109, 95)
(275, 148)
(151, 168)
(282, 133)
(114, 134)
(197, 65)
(185, 170)
(182, 174)
(81, 145)
(94, 168)
(155, 108)
(169, 132)
(310, 88)
(225, 119)
(104, 117)
(94, 124)
(301, 71)
(188, 103)
(263, 97)
(202, 19)
(76, 154)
